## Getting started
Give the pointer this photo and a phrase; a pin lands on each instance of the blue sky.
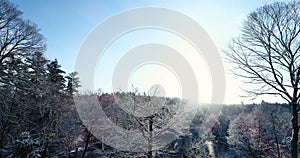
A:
(66, 24)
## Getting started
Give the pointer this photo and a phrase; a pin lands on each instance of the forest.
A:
(42, 109)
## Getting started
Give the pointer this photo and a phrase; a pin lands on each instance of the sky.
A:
(67, 23)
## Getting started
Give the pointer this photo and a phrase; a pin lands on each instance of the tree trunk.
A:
(295, 130)
(87, 141)
(150, 153)
(275, 135)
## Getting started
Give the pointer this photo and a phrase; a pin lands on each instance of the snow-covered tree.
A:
(72, 83)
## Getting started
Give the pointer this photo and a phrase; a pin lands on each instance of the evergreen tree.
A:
(56, 75)
(72, 83)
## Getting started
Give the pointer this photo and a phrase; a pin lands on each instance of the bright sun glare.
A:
(144, 76)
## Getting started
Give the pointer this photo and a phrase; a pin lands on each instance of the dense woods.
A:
(38, 116)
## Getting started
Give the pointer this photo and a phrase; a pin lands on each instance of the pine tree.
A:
(72, 83)
(56, 75)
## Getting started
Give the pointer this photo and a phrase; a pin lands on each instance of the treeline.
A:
(252, 130)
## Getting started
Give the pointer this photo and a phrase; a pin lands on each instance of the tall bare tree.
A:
(18, 37)
(267, 55)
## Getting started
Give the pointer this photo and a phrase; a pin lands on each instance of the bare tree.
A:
(18, 37)
(153, 126)
(267, 55)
